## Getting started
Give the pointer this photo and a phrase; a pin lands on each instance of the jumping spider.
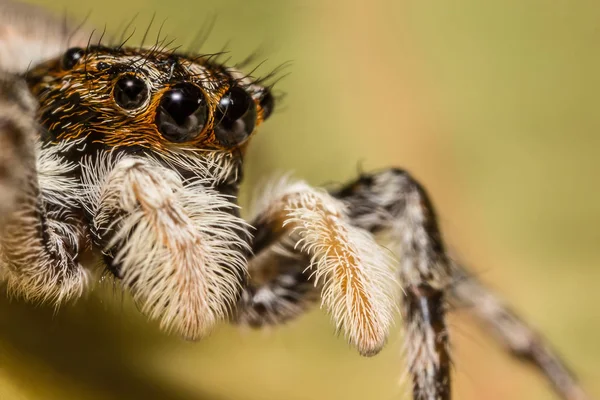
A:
(132, 158)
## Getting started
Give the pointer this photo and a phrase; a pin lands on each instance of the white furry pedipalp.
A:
(357, 274)
(178, 249)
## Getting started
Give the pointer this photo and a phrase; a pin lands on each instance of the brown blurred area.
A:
(492, 105)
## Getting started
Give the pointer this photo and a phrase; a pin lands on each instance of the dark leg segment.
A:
(278, 288)
(391, 203)
(395, 208)
(376, 202)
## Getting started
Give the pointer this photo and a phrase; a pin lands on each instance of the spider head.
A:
(139, 100)
(153, 143)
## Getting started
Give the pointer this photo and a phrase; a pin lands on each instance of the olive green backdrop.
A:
(492, 105)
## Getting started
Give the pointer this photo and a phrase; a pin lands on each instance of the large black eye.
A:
(72, 57)
(235, 117)
(130, 92)
(182, 113)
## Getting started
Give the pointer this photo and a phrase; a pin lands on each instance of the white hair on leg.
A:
(40, 245)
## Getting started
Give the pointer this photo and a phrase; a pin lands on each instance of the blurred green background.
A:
(492, 105)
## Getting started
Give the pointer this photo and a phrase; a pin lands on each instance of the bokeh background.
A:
(492, 105)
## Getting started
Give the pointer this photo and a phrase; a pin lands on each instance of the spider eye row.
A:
(183, 110)
(183, 113)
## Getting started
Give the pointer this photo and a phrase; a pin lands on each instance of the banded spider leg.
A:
(393, 207)
(356, 276)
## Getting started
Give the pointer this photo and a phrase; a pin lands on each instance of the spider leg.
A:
(40, 239)
(513, 333)
(396, 208)
(353, 273)
(31, 34)
(177, 245)
(278, 288)
(379, 200)
(357, 277)
(17, 134)
(381, 203)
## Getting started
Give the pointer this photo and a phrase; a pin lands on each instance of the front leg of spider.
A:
(381, 204)
(357, 277)
(41, 238)
(17, 135)
(392, 204)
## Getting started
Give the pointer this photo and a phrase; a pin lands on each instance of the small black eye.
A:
(101, 66)
(235, 117)
(182, 113)
(130, 92)
(267, 103)
(72, 57)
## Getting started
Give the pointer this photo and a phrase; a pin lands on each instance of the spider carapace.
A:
(131, 159)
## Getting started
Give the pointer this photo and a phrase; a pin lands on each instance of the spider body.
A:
(131, 159)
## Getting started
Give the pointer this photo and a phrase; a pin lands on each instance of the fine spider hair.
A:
(184, 235)
(359, 287)
(131, 158)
